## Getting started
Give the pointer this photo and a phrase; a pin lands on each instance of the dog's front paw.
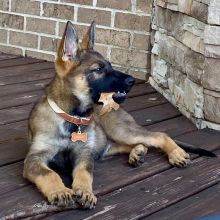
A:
(61, 197)
(137, 155)
(178, 157)
(84, 197)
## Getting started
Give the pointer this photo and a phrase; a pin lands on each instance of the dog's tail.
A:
(196, 150)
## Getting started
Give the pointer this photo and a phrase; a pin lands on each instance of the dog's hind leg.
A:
(137, 135)
(82, 180)
(127, 132)
(47, 180)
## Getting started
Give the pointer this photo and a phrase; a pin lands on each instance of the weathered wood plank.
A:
(150, 195)
(206, 138)
(106, 179)
(10, 115)
(14, 131)
(202, 204)
(18, 61)
(27, 77)
(15, 114)
(17, 200)
(28, 68)
(155, 114)
(22, 114)
(25, 96)
(170, 186)
(4, 56)
(173, 126)
(144, 101)
(139, 81)
(24, 87)
(13, 151)
(19, 99)
(17, 130)
(159, 161)
(12, 178)
(141, 89)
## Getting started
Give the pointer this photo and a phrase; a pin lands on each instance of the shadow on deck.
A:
(154, 191)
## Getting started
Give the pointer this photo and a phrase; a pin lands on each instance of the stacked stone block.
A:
(186, 57)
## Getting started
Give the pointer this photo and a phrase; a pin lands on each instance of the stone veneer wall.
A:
(33, 28)
(186, 57)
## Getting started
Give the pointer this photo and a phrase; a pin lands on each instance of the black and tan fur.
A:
(82, 74)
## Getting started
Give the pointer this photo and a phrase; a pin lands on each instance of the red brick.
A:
(101, 17)
(49, 44)
(40, 55)
(80, 2)
(41, 25)
(139, 74)
(102, 50)
(26, 7)
(11, 50)
(58, 11)
(4, 5)
(112, 37)
(141, 42)
(80, 29)
(144, 6)
(104, 36)
(3, 36)
(116, 4)
(121, 68)
(23, 39)
(11, 21)
(130, 58)
(132, 22)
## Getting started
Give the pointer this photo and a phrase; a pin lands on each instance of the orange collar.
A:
(70, 118)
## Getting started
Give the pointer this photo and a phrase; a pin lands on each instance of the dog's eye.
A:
(99, 69)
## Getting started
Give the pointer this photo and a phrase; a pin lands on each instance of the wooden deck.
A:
(154, 191)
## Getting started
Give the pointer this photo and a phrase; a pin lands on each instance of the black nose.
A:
(130, 81)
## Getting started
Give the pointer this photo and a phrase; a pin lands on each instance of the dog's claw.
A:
(137, 155)
(85, 198)
(178, 157)
(61, 197)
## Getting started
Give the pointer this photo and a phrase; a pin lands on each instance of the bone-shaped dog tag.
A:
(79, 136)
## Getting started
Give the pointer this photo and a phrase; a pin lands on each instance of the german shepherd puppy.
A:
(82, 74)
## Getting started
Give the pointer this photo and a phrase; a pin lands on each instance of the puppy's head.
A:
(87, 71)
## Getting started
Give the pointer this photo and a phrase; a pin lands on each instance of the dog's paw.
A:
(137, 155)
(61, 197)
(178, 157)
(84, 197)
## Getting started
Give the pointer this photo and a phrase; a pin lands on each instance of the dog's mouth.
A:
(119, 97)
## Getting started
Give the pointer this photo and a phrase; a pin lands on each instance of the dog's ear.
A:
(88, 40)
(69, 44)
(68, 50)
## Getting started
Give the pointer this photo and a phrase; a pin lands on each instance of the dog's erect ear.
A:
(88, 40)
(68, 51)
(69, 44)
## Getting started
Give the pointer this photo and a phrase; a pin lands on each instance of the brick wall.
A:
(33, 28)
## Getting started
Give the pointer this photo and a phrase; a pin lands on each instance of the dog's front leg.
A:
(47, 180)
(82, 180)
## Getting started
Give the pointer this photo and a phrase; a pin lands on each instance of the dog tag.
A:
(79, 136)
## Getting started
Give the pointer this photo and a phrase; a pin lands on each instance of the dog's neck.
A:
(68, 99)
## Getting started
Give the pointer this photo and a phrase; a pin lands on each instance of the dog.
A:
(65, 125)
